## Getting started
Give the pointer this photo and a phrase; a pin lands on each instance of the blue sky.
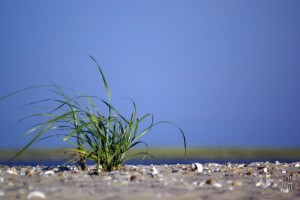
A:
(227, 72)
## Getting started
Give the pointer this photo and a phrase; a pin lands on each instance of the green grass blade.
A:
(103, 79)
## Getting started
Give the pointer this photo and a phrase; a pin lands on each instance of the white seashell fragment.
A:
(285, 190)
(198, 167)
(154, 171)
(283, 171)
(259, 183)
(277, 163)
(202, 183)
(297, 165)
(49, 172)
(240, 166)
(217, 185)
(2, 180)
(12, 170)
(36, 194)
(265, 170)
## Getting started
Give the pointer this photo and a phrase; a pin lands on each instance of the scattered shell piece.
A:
(154, 171)
(202, 183)
(259, 183)
(297, 165)
(265, 170)
(36, 194)
(49, 172)
(107, 178)
(240, 166)
(223, 169)
(237, 170)
(277, 162)
(283, 171)
(217, 185)
(12, 170)
(285, 190)
(198, 167)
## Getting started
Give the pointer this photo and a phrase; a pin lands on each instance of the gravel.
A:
(258, 180)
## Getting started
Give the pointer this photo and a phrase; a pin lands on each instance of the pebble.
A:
(238, 183)
(228, 176)
(237, 170)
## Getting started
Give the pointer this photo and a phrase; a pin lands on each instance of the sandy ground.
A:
(194, 181)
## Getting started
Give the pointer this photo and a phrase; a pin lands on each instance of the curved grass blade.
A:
(103, 78)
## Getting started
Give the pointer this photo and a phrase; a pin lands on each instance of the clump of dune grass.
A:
(100, 136)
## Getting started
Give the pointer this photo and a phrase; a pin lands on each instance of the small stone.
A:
(36, 194)
(133, 178)
(223, 169)
(283, 171)
(238, 183)
(297, 165)
(277, 162)
(2, 193)
(237, 170)
(209, 181)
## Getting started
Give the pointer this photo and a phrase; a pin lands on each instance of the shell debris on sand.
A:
(36, 194)
(229, 180)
